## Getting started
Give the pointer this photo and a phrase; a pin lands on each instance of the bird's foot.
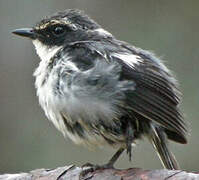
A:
(89, 168)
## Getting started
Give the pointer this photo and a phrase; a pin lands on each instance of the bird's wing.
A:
(156, 96)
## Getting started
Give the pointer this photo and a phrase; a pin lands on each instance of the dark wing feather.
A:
(156, 96)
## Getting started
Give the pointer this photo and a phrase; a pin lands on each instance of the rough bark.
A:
(73, 172)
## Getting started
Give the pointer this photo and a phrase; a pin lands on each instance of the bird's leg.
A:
(115, 157)
(110, 164)
(129, 139)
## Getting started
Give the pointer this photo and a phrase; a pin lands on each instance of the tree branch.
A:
(75, 173)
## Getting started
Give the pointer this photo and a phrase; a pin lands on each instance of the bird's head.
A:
(62, 28)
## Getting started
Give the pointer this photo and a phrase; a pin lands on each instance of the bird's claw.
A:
(89, 168)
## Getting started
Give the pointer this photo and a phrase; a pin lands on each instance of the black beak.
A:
(25, 32)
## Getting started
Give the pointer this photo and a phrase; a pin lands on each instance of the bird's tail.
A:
(159, 141)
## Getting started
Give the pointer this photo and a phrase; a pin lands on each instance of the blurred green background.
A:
(28, 140)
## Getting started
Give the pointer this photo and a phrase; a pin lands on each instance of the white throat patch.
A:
(44, 52)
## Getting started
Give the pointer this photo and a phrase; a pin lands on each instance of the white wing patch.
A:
(129, 59)
(102, 31)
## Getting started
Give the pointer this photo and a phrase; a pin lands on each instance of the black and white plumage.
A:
(98, 90)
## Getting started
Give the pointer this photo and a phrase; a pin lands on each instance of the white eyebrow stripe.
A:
(129, 59)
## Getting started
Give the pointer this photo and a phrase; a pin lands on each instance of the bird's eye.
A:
(58, 31)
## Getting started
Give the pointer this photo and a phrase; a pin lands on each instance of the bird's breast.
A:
(70, 97)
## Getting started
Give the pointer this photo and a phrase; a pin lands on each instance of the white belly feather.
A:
(70, 104)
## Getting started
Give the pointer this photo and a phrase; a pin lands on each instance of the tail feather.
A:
(159, 141)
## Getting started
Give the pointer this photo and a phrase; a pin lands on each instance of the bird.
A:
(100, 91)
